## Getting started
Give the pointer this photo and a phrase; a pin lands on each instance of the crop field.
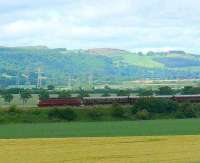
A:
(107, 150)
(101, 129)
(155, 84)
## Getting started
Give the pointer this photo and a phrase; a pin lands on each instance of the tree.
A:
(165, 91)
(51, 87)
(64, 94)
(83, 93)
(25, 95)
(155, 105)
(145, 92)
(123, 93)
(44, 95)
(106, 94)
(8, 97)
(106, 91)
(107, 88)
(189, 90)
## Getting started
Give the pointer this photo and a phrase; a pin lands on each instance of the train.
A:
(60, 102)
(110, 100)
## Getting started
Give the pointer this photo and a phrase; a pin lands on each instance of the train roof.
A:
(110, 97)
(160, 96)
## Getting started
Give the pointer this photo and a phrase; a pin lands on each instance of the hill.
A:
(20, 64)
(106, 51)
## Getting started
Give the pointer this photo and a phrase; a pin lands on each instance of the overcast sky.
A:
(125, 24)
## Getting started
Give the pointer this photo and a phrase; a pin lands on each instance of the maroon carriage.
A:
(60, 102)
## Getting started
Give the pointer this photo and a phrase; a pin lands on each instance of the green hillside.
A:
(104, 65)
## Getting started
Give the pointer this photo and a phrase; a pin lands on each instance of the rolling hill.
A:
(103, 64)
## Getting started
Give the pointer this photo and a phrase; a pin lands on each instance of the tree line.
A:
(25, 94)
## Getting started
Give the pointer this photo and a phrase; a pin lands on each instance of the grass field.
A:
(101, 129)
(141, 61)
(173, 149)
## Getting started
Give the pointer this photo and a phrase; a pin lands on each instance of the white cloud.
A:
(128, 24)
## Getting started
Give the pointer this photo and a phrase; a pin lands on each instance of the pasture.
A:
(101, 129)
(106, 149)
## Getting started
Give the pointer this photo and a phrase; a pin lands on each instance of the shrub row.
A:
(146, 108)
(143, 109)
(109, 113)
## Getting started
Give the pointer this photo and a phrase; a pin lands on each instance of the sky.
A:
(137, 25)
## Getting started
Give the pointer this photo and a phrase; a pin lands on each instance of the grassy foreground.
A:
(101, 129)
(107, 150)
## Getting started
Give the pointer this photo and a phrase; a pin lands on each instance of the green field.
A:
(141, 61)
(101, 129)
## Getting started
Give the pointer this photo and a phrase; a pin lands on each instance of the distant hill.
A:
(102, 64)
(106, 51)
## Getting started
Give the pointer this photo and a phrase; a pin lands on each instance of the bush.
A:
(62, 114)
(118, 111)
(134, 110)
(155, 105)
(37, 112)
(187, 110)
(95, 115)
(143, 115)
(12, 109)
(171, 106)
(179, 115)
(2, 120)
